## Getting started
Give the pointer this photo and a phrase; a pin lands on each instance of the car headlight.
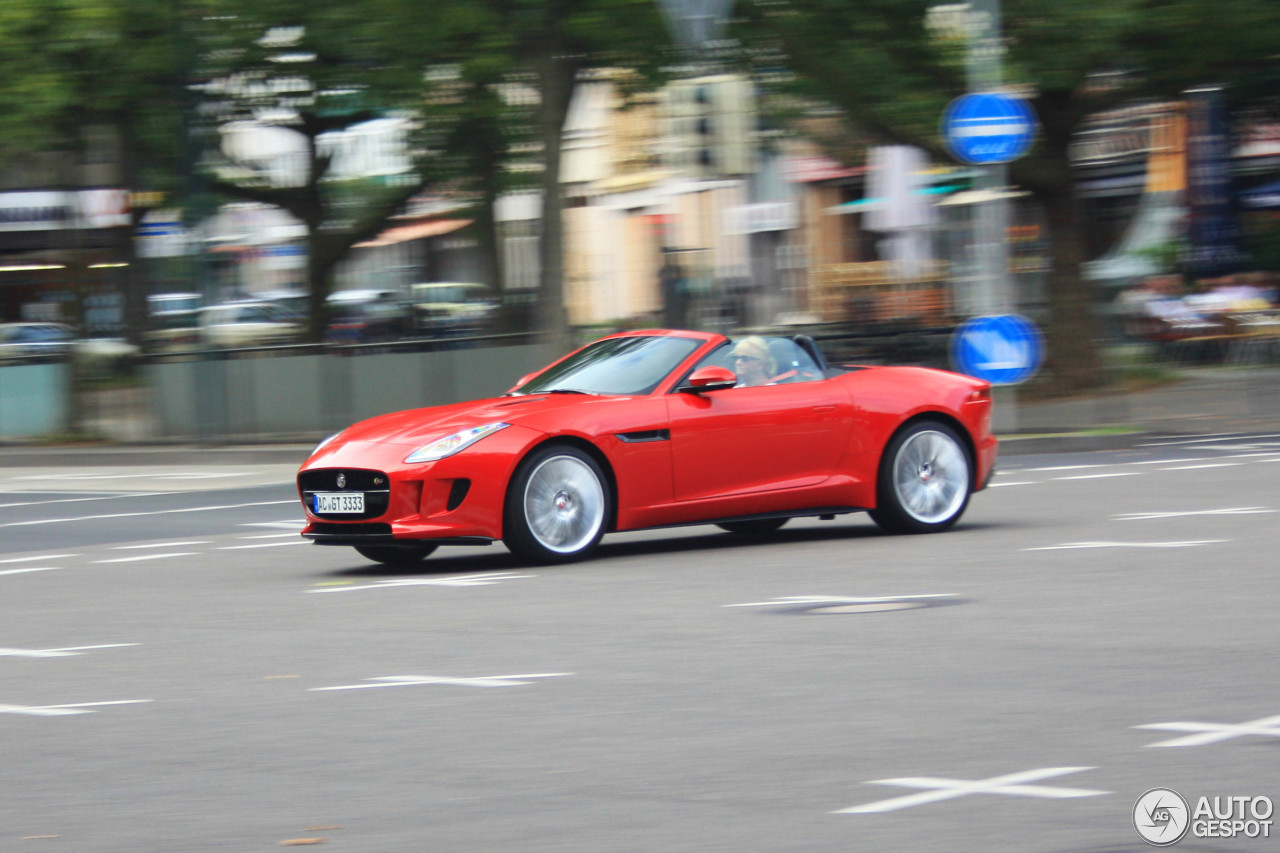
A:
(451, 444)
(323, 442)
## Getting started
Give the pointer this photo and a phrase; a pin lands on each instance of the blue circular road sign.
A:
(988, 127)
(1004, 350)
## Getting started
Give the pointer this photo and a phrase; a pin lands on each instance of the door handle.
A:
(824, 409)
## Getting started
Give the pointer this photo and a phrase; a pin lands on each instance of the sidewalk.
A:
(1205, 401)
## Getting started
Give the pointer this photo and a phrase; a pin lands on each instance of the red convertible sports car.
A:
(653, 429)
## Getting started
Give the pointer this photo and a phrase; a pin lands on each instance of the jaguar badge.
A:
(342, 480)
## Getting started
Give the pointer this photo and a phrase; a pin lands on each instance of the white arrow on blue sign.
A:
(988, 127)
(1004, 350)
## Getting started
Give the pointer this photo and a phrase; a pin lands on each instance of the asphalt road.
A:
(179, 672)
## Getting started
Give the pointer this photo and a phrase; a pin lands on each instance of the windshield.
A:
(614, 366)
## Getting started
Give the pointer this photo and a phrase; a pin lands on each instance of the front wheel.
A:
(925, 480)
(406, 556)
(557, 506)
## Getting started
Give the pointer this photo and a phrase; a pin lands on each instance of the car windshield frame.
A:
(630, 366)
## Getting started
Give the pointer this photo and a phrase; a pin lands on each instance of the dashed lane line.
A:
(141, 514)
(142, 557)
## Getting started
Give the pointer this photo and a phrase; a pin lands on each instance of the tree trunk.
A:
(1072, 359)
(556, 76)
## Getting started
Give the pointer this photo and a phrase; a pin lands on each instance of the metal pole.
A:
(992, 291)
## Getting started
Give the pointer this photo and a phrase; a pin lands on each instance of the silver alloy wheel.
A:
(931, 476)
(564, 504)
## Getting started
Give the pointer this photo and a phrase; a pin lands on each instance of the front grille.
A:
(375, 485)
(357, 480)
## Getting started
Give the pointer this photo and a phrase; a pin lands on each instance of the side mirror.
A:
(709, 379)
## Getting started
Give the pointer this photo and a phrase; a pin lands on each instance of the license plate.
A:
(338, 502)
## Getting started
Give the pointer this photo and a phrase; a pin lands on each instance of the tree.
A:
(553, 43)
(310, 69)
(891, 76)
(69, 65)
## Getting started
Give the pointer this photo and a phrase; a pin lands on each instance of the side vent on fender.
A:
(458, 493)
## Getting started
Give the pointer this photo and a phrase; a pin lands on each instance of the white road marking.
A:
(1067, 467)
(287, 525)
(482, 579)
(65, 710)
(793, 600)
(99, 497)
(1202, 465)
(160, 545)
(139, 514)
(1211, 440)
(418, 680)
(38, 559)
(30, 569)
(70, 651)
(1100, 476)
(1215, 732)
(1018, 483)
(271, 535)
(1241, 510)
(1191, 543)
(261, 545)
(142, 557)
(161, 475)
(947, 789)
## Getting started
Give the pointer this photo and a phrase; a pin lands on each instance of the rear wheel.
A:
(925, 480)
(395, 555)
(755, 527)
(557, 506)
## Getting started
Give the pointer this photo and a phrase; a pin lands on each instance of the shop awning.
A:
(417, 231)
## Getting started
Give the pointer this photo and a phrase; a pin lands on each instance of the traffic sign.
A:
(988, 127)
(1004, 349)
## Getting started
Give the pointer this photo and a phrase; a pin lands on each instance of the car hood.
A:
(416, 427)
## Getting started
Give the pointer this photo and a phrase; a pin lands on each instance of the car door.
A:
(743, 440)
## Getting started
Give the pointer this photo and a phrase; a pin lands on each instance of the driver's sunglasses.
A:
(747, 358)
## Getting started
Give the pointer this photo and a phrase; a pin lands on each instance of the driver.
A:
(752, 362)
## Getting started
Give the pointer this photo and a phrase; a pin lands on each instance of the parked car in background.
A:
(366, 316)
(293, 303)
(58, 341)
(247, 324)
(173, 321)
(452, 308)
(42, 341)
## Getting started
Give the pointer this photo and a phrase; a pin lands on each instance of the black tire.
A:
(557, 506)
(755, 527)
(405, 556)
(925, 479)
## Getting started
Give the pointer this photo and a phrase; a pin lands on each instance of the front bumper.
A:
(458, 500)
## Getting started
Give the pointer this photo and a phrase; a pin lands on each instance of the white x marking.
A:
(412, 680)
(947, 789)
(482, 579)
(1215, 732)
(64, 710)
